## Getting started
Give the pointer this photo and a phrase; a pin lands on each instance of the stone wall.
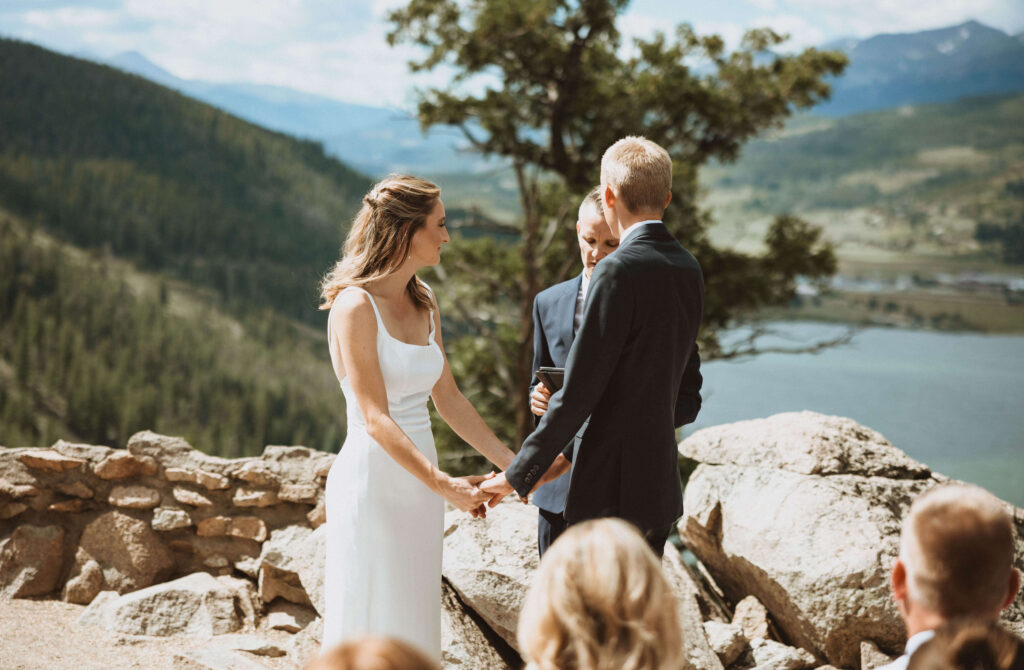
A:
(79, 519)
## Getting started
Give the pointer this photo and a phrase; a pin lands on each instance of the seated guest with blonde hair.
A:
(970, 644)
(372, 653)
(956, 560)
(600, 602)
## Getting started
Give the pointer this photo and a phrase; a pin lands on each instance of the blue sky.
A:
(336, 48)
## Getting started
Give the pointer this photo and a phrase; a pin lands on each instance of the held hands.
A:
(539, 400)
(498, 487)
(464, 493)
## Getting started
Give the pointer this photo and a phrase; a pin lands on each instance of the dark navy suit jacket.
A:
(633, 368)
(554, 309)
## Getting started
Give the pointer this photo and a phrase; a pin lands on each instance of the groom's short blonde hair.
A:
(639, 172)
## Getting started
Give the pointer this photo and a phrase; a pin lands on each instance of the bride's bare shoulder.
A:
(352, 307)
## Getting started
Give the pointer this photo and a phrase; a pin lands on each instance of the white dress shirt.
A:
(581, 298)
(635, 228)
(913, 644)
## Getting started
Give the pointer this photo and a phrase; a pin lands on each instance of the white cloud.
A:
(83, 17)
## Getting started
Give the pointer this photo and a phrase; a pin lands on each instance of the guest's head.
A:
(970, 644)
(636, 181)
(956, 558)
(596, 240)
(372, 653)
(401, 223)
(599, 601)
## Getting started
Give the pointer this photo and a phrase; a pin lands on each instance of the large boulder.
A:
(489, 562)
(308, 560)
(803, 511)
(199, 605)
(283, 557)
(697, 651)
(129, 552)
(464, 642)
(31, 559)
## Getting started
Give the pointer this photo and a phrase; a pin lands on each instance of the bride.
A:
(385, 512)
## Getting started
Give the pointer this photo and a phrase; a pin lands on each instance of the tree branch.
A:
(749, 347)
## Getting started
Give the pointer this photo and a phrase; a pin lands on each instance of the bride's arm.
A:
(461, 415)
(353, 335)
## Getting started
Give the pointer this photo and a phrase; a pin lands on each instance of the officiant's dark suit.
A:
(635, 370)
(554, 314)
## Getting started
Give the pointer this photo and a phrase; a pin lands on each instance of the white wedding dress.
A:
(384, 526)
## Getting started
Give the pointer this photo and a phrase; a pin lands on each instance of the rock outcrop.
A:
(793, 521)
(803, 511)
(199, 605)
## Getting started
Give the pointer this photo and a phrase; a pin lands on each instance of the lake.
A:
(953, 401)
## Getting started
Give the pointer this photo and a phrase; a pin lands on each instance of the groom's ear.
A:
(609, 197)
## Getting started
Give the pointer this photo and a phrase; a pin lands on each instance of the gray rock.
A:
(274, 582)
(168, 518)
(189, 497)
(31, 559)
(872, 657)
(805, 443)
(696, 648)
(726, 640)
(123, 464)
(308, 561)
(305, 644)
(130, 553)
(282, 558)
(489, 562)
(289, 617)
(198, 605)
(76, 489)
(134, 497)
(772, 655)
(211, 481)
(752, 618)
(246, 527)
(83, 587)
(317, 516)
(820, 560)
(246, 497)
(256, 472)
(11, 509)
(464, 643)
(50, 460)
(299, 493)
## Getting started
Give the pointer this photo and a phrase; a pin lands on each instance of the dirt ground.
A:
(44, 635)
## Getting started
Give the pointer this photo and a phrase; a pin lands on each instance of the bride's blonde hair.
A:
(379, 239)
(600, 602)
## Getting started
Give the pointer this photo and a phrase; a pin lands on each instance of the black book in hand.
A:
(552, 378)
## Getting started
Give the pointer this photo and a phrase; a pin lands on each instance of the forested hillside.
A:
(104, 159)
(93, 351)
(917, 180)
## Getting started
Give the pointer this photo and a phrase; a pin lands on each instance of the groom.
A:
(633, 367)
(557, 315)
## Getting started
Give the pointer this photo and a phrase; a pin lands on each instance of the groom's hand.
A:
(498, 487)
(557, 469)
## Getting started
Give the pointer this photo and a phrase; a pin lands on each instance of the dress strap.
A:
(431, 294)
(380, 321)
